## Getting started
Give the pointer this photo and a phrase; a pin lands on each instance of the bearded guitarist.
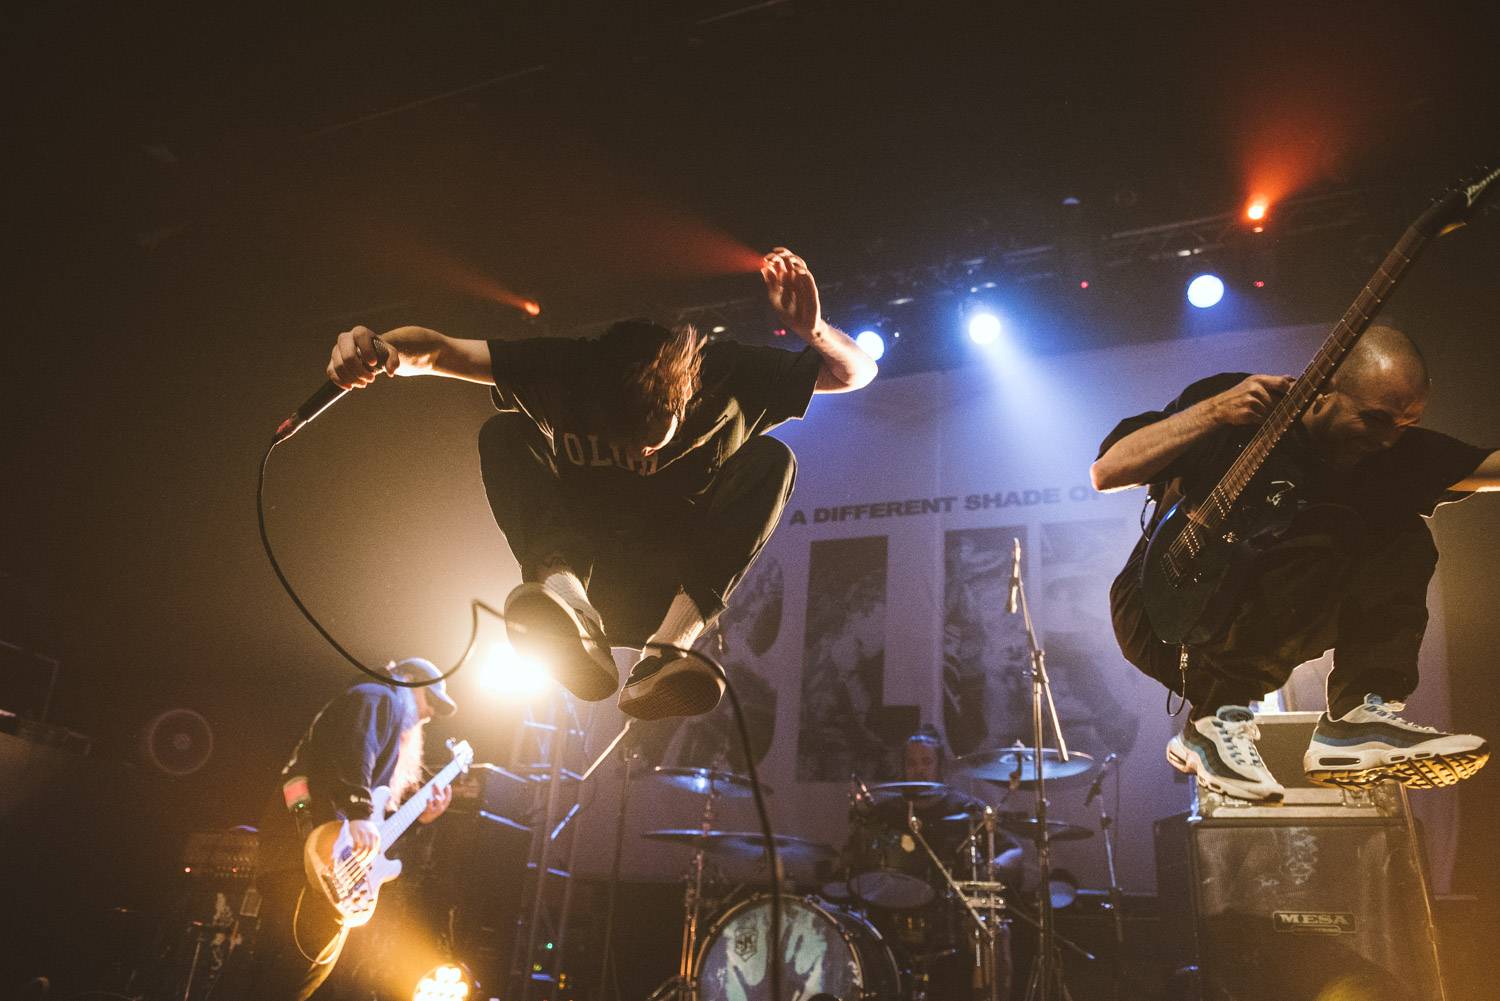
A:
(1349, 572)
(368, 737)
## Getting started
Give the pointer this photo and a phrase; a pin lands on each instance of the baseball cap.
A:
(417, 669)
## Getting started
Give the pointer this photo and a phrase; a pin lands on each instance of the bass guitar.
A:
(1198, 556)
(352, 884)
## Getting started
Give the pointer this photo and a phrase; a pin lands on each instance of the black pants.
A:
(1331, 582)
(287, 967)
(633, 548)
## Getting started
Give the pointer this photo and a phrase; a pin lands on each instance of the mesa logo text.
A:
(1314, 922)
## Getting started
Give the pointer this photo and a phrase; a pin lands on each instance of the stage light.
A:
(505, 673)
(1205, 291)
(984, 327)
(448, 982)
(1257, 209)
(871, 343)
(531, 307)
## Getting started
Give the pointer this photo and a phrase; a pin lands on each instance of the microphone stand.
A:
(1046, 981)
(1116, 894)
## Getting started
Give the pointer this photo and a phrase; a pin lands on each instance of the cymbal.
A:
(1057, 830)
(887, 791)
(748, 845)
(1002, 764)
(704, 780)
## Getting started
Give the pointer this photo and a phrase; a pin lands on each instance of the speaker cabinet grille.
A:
(1290, 911)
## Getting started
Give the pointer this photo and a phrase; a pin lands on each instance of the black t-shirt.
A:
(558, 383)
(1411, 478)
(350, 748)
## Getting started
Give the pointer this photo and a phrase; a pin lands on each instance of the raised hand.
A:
(792, 291)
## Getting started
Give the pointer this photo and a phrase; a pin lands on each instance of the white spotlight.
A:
(984, 328)
(507, 674)
(871, 343)
(1205, 291)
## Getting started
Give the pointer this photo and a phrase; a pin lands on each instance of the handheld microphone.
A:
(327, 395)
(1098, 786)
(1012, 602)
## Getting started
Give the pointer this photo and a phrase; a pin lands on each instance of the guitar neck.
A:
(396, 824)
(1215, 511)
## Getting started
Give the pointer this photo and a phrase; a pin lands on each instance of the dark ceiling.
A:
(338, 158)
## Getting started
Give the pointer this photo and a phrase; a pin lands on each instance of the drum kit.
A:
(926, 884)
(919, 903)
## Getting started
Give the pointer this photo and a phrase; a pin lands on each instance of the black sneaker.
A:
(565, 638)
(1373, 743)
(670, 685)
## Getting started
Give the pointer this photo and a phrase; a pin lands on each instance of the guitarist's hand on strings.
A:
(441, 797)
(1250, 401)
(1143, 453)
(364, 838)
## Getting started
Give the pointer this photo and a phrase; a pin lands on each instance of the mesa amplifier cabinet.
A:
(1306, 909)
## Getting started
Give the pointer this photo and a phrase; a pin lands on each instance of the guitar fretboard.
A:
(1210, 516)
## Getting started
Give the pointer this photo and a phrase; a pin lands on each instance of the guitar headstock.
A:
(1457, 207)
(462, 753)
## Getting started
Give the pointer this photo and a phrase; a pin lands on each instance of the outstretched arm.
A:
(355, 362)
(794, 296)
(1485, 477)
(1143, 453)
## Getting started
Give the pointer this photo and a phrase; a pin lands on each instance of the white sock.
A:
(683, 624)
(565, 582)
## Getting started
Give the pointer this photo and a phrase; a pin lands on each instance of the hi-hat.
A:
(705, 780)
(749, 846)
(1018, 764)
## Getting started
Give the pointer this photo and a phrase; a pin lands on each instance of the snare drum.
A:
(828, 950)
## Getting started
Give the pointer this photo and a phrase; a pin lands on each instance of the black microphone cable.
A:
(476, 606)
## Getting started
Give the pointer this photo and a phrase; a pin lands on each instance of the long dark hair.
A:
(656, 371)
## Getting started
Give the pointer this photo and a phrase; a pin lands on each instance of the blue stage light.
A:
(871, 343)
(1205, 291)
(984, 328)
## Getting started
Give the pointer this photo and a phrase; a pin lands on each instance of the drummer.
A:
(946, 817)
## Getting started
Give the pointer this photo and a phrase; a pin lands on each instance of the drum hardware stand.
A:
(681, 986)
(977, 895)
(1116, 893)
(1046, 981)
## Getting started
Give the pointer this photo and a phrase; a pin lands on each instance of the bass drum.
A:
(827, 951)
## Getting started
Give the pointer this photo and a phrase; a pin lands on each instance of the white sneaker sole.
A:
(683, 687)
(543, 626)
(1182, 758)
(1365, 765)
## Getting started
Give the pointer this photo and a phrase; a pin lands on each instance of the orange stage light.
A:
(1256, 210)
